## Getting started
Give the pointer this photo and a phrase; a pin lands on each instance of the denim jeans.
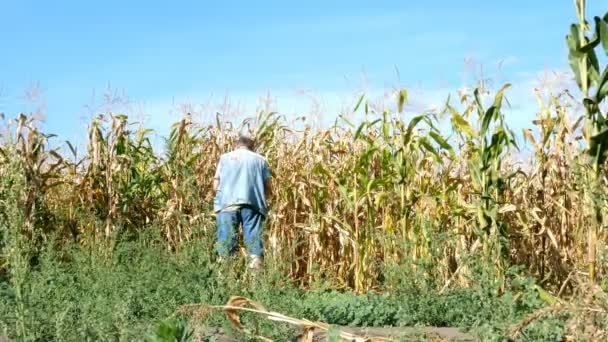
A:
(228, 223)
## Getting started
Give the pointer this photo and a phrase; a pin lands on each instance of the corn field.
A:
(375, 189)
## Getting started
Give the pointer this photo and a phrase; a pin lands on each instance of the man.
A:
(241, 185)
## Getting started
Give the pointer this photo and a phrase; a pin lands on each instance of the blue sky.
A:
(161, 54)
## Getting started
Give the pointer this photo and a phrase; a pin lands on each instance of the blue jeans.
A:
(228, 223)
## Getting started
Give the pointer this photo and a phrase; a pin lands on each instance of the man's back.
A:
(242, 175)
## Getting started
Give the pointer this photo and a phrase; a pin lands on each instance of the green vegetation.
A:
(382, 220)
(78, 294)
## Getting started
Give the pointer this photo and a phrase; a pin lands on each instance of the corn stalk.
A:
(585, 65)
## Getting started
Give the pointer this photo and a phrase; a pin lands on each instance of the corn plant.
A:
(120, 184)
(179, 173)
(589, 77)
(375, 189)
(27, 149)
(486, 148)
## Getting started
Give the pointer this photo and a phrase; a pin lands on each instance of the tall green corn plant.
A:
(594, 86)
(365, 182)
(409, 148)
(385, 157)
(121, 180)
(139, 184)
(488, 147)
(269, 127)
(183, 195)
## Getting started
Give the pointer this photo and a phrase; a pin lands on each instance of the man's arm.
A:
(266, 174)
(216, 177)
(216, 183)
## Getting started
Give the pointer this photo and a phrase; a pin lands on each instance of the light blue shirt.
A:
(242, 175)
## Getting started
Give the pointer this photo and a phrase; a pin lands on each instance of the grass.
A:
(80, 294)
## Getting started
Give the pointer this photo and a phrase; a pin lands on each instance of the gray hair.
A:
(246, 141)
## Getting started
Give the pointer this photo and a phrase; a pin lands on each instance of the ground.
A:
(399, 334)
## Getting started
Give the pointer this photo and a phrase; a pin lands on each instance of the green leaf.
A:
(217, 120)
(478, 102)
(574, 55)
(593, 43)
(593, 66)
(487, 120)
(602, 89)
(385, 131)
(598, 146)
(359, 130)
(511, 139)
(590, 105)
(461, 124)
(500, 94)
(369, 187)
(493, 112)
(545, 296)
(359, 102)
(402, 99)
(441, 141)
(348, 122)
(573, 61)
(374, 123)
(385, 126)
(427, 145)
(573, 39)
(56, 155)
(170, 331)
(364, 159)
(603, 33)
(72, 148)
(345, 195)
(410, 128)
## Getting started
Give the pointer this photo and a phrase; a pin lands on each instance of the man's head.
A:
(246, 142)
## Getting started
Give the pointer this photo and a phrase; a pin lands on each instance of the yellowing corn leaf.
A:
(507, 208)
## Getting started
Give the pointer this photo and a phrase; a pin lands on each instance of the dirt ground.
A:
(393, 334)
